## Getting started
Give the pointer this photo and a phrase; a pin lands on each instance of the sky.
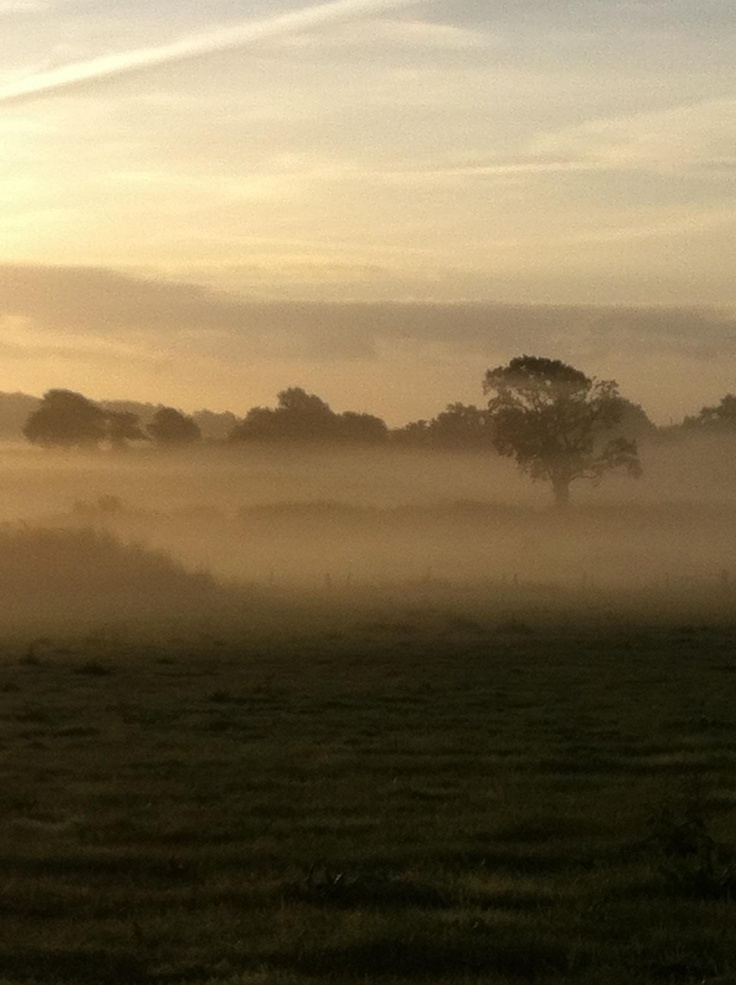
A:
(203, 202)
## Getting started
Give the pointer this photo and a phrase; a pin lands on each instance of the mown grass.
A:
(398, 797)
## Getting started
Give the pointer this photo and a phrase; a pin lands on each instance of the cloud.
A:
(83, 74)
(96, 306)
(406, 33)
(694, 135)
(22, 6)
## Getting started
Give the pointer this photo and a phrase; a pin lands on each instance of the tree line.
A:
(557, 423)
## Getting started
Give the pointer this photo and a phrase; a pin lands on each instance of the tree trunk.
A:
(561, 490)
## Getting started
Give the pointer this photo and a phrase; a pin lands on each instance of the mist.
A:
(339, 526)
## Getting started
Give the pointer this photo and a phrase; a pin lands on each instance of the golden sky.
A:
(420, 190)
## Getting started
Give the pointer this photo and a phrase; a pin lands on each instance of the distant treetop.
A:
(66, 419)
(460, 427)
(720, 418)
(302, 416)
(172, 428)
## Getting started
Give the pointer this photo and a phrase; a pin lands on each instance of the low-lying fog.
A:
(334, 516)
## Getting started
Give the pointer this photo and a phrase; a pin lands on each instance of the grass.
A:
(479, 798)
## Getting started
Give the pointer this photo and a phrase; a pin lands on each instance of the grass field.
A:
(381, 792)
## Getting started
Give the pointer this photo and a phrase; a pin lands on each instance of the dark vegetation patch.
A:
(504, 807)
(439, 951)
(79, 965)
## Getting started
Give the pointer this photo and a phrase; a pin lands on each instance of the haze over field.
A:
(345, 522)
(376, 199)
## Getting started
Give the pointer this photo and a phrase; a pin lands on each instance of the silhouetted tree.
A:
(720, 418)
(297, 402)
(415, 434)
(215, 426)
(459, 426)
(171, 427)
(633, 422)
(66, 419)
(553, 420)
(302, 416)
(15, 409)
(122, 427)
(361, 428)
(462, 426)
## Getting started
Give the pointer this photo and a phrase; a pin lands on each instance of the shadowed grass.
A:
(298, 809)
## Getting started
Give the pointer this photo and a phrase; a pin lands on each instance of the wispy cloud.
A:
(686, 136)
(193, 46)
(396, 33)
(97, 304)
(22, 6)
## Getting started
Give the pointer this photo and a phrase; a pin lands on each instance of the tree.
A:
(304, 417)
(171, 427)
(122, 427)
(66, 419)
(366, 429)
(553, 420)
(415, 434)
(215, 426)
(634, 422)
(460, 427)
(719, 419)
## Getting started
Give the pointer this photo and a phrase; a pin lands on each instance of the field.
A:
(518, 789)
(365, 718)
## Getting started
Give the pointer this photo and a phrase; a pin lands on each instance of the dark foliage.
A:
(556, 422)
(459, 426)
(688, 856)
(302, 416)
(66, 419)
(122, 427)
(720, 419)
(170, 427)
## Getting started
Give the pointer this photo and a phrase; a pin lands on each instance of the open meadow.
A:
(517, 788)
(261, 723)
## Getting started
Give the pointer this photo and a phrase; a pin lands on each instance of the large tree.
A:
(66, 419)
(556, 422)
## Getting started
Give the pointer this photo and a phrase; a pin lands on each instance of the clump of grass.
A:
(221, 697)
(689, 858)
(34, 715)
(425, 949)
(94, 669)
(339, 887)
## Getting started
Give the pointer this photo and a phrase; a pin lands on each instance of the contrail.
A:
(236, 36)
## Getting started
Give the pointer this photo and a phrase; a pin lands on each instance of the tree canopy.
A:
(556, 422)
(459, 426)
(123, 426)
(302, 416)
(66, 419)
(720, 418)
(170, 427)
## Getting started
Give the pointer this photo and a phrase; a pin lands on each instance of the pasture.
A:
(508, 789)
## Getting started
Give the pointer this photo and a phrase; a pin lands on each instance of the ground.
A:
(392, 793)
